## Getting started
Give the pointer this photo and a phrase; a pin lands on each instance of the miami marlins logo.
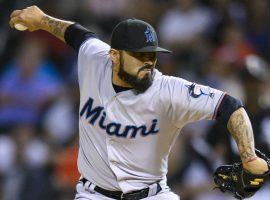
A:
(149, 34)
(196, 91)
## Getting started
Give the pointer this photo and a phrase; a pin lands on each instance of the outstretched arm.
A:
(35, 19)
(240, 127)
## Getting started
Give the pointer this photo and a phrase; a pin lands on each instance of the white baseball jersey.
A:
(125, 137)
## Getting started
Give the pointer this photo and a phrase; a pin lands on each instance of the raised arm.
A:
(35, 19)
(240, 127)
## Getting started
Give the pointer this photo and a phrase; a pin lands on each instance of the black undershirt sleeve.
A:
(76, 34)
(228, 105)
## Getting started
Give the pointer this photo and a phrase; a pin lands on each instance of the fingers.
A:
(17, 16)
(15, 20)
(14, 17)
(15, 13)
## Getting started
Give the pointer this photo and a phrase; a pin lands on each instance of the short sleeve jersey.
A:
(126, 137)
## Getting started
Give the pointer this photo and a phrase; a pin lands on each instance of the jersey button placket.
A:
(114, 163)
(110, 105)
(111, 158)
(111, 141)
(113, 99)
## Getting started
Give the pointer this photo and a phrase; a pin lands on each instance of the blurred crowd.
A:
(221, 43)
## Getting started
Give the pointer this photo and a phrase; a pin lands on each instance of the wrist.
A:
(250, 160)
(44, 25)
(247, 154)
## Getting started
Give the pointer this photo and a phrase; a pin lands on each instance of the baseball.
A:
(20, 27)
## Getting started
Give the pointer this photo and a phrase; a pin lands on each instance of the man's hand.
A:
(31, 17)
(35, 19)
(256, 166)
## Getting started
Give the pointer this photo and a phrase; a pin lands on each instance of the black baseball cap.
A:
(136, 36)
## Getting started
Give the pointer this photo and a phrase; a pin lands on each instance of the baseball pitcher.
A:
(130, 113)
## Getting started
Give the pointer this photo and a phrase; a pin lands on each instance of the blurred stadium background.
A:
(221, 43)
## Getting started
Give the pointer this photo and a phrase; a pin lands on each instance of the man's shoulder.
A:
(166, 80)
(93, 59)
(94, 46)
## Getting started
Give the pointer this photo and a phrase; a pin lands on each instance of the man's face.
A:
(137, 69)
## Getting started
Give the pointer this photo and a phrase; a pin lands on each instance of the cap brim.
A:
(151, 49)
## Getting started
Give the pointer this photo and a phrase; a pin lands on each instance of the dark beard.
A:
(140, 85)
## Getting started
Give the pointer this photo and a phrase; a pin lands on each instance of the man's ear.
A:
(114, 55)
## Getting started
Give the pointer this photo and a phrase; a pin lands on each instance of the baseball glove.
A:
(240, 183)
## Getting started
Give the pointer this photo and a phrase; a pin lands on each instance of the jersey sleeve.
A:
(187, 102)
(92, 54)
(93, 48)
(93, 57)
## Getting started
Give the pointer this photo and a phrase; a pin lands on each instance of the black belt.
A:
(135, 195)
